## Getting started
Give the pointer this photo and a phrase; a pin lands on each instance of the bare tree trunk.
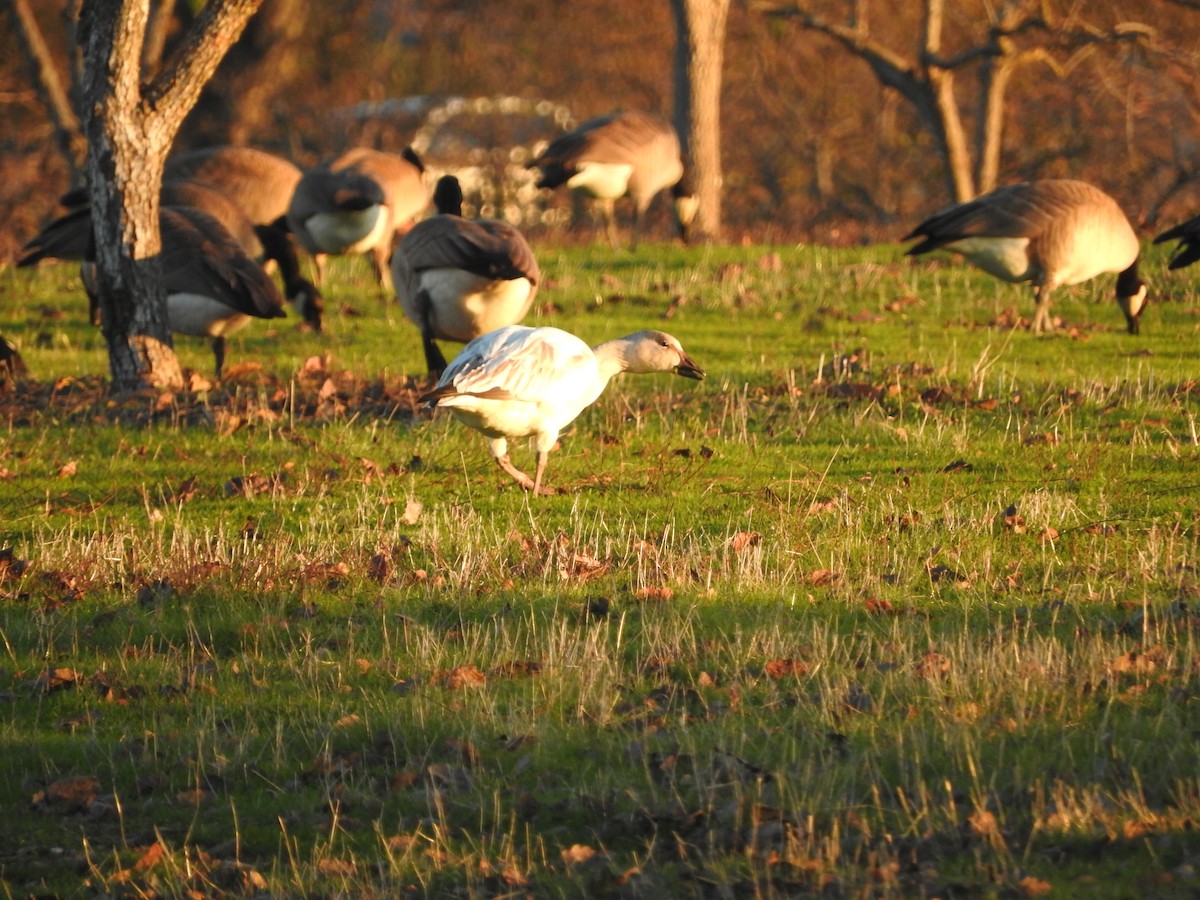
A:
(68, 133)
(155, 44)
(699, 56)
(130, 131)
(926, 79)
(941, 85)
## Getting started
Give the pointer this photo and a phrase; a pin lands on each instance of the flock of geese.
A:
(227, 211)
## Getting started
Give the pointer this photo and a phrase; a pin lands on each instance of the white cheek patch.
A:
(1135, 304)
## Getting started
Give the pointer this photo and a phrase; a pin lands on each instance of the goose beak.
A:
(689, 369)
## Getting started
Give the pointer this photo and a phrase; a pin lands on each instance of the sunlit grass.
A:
(899, 601)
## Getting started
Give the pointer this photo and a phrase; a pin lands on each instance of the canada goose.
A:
(622, 153)
(359, 202)
(261, 184)
(1188, 235)
(1049, 232)
(213, 287)
(459, 278)
(69, 237)
(519, 381)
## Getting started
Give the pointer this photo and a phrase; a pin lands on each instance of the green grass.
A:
(900, 601)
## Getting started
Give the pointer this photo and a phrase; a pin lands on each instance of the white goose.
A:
(457, 278)
(1049, 232)
(532, 382)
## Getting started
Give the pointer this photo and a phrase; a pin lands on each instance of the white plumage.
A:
(532, 382)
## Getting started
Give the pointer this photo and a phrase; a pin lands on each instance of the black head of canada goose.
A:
(362, 201)
(459, 278)
(69, 237)
(1188, 235)
(1049, 233)
(632, 154)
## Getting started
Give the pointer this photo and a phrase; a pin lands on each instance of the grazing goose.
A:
(1188, 235)
(623, 153)
(459, 278)
(12, 366)
(532, 382)
(213, 287)
(261, 184)
(359, 202)
(1050, 232)
(69, 237)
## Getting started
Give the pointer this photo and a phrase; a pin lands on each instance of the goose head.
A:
(657, 351)
(1132, 297)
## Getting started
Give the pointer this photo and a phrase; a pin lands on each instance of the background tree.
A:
(130, 128)
(68, 132)
(1016, 32)
(813, 146)
(699, 57)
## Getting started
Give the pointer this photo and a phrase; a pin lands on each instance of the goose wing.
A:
(200, 257)
(519, 363)
(494, 250)
(1027, 210)
(1188, 235)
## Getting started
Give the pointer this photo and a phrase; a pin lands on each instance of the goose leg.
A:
(383, 272)
(219, 353)
(1041, 314)
(542, 457)
(434, 359)
(607, 207)
(521, 478)
(529, 484)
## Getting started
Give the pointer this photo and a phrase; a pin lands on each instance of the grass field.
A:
(901, 601)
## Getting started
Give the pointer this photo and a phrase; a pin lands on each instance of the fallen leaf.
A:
(577, 854)
(461, 677)
(782, 668)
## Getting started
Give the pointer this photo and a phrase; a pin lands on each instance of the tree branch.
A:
(177, 87)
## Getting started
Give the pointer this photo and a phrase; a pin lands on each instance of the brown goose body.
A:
(621, 154)
(69, 237)
(1049, 233)
(359, 202)
(261, 183)
(458, 278)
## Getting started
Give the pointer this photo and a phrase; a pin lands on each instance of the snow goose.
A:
(459, 278)
(359, 202)
(1050, 232)
(632, 154)
(519, 381)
